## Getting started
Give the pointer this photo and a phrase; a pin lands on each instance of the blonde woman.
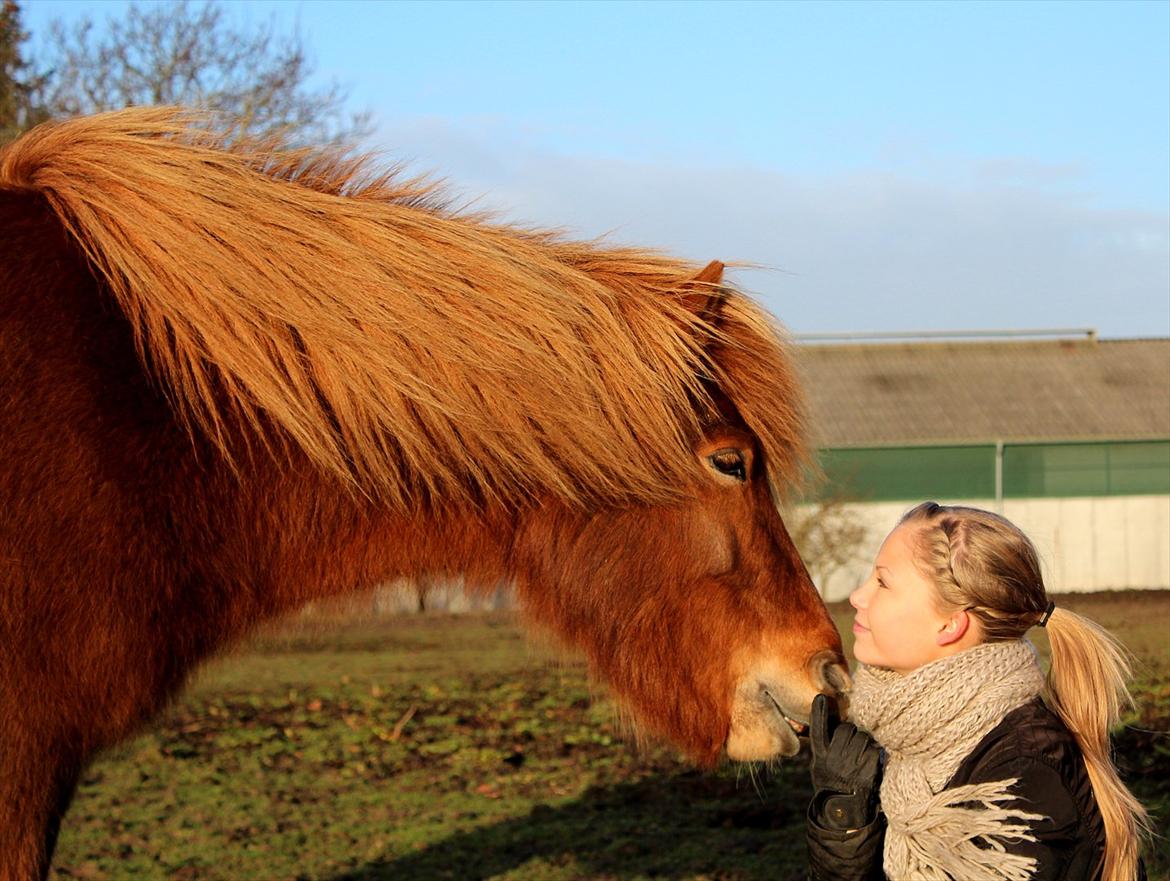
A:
(992, 772)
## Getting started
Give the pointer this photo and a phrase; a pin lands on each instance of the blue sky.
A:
(893, 166)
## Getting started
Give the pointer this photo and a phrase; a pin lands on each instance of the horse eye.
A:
(729, 462)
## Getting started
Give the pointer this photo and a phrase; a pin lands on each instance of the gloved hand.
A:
(845, 769)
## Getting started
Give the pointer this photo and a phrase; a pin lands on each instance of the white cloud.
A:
(1004, 243)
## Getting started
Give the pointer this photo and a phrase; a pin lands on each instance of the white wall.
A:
(1085, 544)
(442, 595)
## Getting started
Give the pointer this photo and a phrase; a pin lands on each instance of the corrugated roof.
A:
(916, 393)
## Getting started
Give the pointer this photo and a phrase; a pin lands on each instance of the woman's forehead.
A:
(898, 550)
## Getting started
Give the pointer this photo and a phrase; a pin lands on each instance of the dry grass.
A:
(428, 747)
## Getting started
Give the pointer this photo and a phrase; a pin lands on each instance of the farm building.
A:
(1069, 438)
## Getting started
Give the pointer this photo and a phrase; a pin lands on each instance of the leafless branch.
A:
(190, 53)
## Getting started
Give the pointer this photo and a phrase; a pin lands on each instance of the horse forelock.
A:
(407, 349)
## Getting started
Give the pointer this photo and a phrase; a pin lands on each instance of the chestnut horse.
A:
(236, 379)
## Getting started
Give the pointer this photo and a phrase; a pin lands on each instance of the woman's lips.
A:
(857, 628)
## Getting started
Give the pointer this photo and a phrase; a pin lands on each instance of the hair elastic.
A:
(1047, 614)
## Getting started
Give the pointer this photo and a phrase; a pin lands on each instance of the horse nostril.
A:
(830, 673)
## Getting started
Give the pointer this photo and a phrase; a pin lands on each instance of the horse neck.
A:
(298, 536)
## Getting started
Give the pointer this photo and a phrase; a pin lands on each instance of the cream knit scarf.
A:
(928, 721)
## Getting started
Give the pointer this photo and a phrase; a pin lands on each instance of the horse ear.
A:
(703, 294)
(712, 273)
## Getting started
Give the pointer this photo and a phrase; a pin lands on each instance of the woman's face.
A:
(897, 624)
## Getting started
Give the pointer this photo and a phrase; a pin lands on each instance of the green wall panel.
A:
(1108, 469)
(968, 472)
(1052, 470)
(910, 473)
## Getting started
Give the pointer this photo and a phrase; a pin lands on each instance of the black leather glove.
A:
(846, 766)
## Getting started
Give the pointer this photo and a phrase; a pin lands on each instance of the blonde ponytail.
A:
(985, 564)
(1087, 688)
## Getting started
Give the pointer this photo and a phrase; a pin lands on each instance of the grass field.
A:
(430, 747)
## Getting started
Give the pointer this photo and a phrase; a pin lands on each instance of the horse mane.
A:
(411, 350)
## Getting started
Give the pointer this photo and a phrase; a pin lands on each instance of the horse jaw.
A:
(760, 729)
(771, 705)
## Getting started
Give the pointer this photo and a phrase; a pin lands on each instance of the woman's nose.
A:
(856, 598)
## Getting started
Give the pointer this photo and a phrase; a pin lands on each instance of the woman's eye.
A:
(881, 583)
(729, 462)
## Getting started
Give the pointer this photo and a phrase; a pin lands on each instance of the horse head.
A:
(699, 614)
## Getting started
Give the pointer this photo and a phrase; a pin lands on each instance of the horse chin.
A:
(762, 743)
(760, 729)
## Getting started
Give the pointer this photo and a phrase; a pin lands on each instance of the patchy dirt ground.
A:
(451, 747)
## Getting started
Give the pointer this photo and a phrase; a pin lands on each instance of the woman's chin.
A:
(864, 654)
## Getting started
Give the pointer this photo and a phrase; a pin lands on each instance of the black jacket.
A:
(1031, 744)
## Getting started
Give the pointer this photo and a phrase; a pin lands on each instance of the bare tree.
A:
(190, 53)
(829, 535)
(18, 83)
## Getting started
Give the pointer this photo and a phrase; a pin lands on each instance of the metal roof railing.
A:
(1088, 333)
